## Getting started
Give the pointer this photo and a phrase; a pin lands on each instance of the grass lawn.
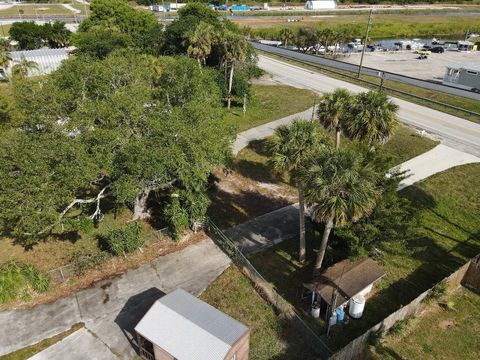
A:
(29, 351)
(35, 9)
(270, 102)
(270, 337)
(446, 237)
(438, 333)
(458, 101)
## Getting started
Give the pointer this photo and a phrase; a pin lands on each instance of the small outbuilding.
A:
(180, 326)
(320, 5)
(349, 278)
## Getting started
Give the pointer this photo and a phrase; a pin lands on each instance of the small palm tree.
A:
(331, 111)
(291, 147)
(340, 189)
(5, 59)
(235, 50)
(23, 67)
(371, 117)
(286, 36)
(200, 42)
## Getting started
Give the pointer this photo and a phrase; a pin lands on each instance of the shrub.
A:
(437, 292)
(126, 239)
(399, 327)
(177, 218)
(83, 262)
(21, 280)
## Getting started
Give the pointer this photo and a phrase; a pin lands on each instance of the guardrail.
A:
(340, 65)
(282, 305)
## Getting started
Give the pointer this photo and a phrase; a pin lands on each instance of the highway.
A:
(453, 131)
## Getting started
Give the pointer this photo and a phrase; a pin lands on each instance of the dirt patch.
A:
(447, 324)
(238, 198)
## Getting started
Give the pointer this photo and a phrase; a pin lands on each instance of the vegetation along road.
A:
(454, 131)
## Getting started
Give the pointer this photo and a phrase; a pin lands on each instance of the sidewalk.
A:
(265, 130)
(439, 159)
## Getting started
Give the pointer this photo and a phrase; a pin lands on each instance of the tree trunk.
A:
(230, 84)
(140, 205)
(323, 246)
(337, 139)
(301, 212)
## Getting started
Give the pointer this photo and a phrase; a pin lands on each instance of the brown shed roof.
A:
(350, 277)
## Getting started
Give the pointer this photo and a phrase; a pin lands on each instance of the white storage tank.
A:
(357, 304)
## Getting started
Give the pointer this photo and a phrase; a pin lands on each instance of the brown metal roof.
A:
(350, 277)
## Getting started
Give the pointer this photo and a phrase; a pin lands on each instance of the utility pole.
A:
(365, 42)
(244, 104)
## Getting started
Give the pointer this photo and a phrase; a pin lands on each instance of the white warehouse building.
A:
(47, 60)
(320, 4)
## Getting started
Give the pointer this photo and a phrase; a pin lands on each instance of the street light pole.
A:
(365, 42)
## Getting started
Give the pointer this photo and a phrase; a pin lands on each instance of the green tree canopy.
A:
(118, 16)
(123, 127)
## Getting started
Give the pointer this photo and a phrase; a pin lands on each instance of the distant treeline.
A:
(379, 30)
(299, 3)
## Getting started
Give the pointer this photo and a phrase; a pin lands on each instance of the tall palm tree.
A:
(331, 111)
(22, 67)
(340, 189)
(286, 36)
(371, 117)
(200, 42)
(235, 50)
(291, 147)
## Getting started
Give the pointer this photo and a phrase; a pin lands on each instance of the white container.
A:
(357, 304)
(315, 312)
(332, 320)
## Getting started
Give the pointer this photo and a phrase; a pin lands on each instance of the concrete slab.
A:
(25, 327)
(266, 230)
(78, 346)
(439, 159)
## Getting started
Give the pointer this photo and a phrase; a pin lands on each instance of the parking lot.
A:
(406, 62)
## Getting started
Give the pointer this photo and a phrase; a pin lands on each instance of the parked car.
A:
(423, 52)
(438, 50)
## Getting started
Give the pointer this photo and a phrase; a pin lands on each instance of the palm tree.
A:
(340, 189)
(22, 67)
(371, 117)
(200, 42)
(286, 35)
(5, 59)
(291, 147)
(331, 111)
(235, 50)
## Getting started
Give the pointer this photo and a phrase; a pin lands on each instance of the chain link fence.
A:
(267, 290)
(86, 262)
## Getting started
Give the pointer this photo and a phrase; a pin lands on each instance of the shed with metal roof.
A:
(180, 326)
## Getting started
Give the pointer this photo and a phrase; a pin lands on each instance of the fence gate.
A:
(471, 279)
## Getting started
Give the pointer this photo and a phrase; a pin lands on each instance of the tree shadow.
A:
(229, 209)
(133, 311)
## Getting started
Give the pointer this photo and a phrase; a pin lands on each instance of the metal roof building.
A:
(48, 60)
(180, 326)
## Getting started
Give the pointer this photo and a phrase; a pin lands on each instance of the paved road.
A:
(455, 132)
(341, 65)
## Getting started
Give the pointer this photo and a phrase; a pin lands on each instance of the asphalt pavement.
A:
(453, 131)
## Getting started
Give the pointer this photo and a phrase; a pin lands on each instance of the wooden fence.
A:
(469, 272)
